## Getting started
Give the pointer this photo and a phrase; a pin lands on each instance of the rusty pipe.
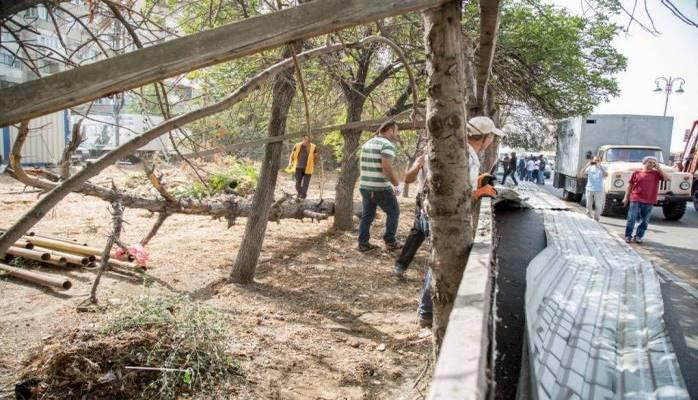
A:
(63, 246)
(30, 254)
(23, 243)
(68, 257)
(35, 277)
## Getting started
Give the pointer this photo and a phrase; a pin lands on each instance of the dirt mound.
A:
(152, 349)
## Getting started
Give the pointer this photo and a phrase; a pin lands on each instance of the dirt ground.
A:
(321, 320)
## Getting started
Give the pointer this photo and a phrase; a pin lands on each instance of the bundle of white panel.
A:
(45, 142)
(594, 315)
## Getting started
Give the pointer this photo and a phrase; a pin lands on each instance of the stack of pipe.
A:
(53, 251)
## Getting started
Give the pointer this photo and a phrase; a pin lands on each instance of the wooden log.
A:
(369, 125)
(155, 63)
(68, 257)
(35, 277)
(489, 23)
(315, 215)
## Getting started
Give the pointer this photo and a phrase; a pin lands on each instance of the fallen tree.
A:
(229, 207)
(75, 182)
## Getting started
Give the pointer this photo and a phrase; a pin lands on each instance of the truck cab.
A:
(621, 160)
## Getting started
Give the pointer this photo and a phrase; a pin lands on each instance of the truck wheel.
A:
(674, 211)
(608, 208)
(695, 196)
(569, 196)
(611, 208)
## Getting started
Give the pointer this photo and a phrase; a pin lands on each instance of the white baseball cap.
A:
(483, 126)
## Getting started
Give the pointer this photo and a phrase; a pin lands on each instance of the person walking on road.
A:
(595, 172)
(510, 168)
(378, 185)
(529, 168)
(641, 195)
(521, 168)
(541, 170)
(301, 162)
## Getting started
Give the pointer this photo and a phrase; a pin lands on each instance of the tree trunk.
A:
(448, 198)
(246, 262)
(349, 172)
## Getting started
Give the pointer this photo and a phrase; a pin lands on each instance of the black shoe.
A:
(399, 271)
(365, 247)
(426, 321)
(396, 245)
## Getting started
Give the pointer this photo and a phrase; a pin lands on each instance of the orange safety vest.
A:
(293, 159)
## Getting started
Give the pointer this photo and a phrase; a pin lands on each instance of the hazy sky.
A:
(674, 53)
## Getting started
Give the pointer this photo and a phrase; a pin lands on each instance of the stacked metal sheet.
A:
(594, 315)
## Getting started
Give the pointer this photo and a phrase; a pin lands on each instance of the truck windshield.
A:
(632, 154)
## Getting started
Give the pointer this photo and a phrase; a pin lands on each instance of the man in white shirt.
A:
(595, 172)
(530, 165)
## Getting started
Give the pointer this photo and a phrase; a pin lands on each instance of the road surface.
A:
(672, 246)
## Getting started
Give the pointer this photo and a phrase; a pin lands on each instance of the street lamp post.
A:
(668, 87)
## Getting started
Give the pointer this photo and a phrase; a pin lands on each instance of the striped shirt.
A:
(372, 152)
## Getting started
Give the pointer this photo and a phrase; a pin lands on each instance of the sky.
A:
(674, 52)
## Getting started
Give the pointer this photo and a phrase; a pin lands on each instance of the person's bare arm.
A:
(411, 174)
(629, 189)
(389, 171)
(665, 176)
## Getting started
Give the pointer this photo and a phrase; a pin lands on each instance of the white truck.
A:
(621, 141)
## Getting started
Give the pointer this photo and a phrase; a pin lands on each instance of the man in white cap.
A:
(641, 194)
(481, 132)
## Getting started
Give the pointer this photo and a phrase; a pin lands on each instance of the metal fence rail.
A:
(594, 316)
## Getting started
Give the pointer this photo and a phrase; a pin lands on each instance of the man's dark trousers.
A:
(413, 241)
(302, 182)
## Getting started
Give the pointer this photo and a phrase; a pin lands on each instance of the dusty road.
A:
(673, 248)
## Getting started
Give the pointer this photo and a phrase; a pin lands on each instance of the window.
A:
(42, 12)
(632, 154)
(9, 59)
(31, 13)
(49, 41)
(6, 37)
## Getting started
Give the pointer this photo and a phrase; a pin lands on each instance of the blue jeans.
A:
(643, 212)
(386, 200)
(426, 307)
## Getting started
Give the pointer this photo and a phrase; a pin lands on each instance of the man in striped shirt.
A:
(378, 185)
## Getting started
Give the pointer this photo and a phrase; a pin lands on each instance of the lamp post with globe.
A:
(668, 87)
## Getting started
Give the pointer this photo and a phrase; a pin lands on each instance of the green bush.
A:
(241, 174)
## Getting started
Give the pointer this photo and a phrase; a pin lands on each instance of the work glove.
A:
(485, 187)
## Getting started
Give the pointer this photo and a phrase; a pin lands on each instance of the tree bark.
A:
(283, 91)
(449, 196)
(349, 171)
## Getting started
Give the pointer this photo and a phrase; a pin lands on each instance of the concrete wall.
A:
(461, 370)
